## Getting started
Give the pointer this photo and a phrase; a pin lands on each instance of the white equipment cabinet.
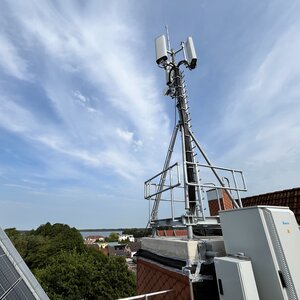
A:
(270, 237)
(235, 279)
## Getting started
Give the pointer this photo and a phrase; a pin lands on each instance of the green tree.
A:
(12, 232)
(38, 251)
(67, 269)
(119, 281)
(62, 236)
(38, 246)
(113, 237)
(19, 240)
(71, 275)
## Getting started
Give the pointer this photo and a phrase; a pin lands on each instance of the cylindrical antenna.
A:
(183, 48)
(168, 37)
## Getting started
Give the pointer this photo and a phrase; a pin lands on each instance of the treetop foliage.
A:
(113, 237)
(67, 269)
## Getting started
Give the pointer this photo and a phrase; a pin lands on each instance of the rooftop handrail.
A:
(148, 184)
(145, 296)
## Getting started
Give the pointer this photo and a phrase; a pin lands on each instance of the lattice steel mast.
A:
(193, 189)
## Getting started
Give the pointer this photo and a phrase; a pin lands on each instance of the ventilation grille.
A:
(281, 258)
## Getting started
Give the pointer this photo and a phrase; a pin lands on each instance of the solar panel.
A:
(16, 280)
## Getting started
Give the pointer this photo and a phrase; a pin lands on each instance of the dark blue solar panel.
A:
(13, 272)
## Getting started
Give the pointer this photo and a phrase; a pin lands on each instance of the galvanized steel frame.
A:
(193, 188)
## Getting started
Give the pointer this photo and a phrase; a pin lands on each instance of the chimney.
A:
(212, 197)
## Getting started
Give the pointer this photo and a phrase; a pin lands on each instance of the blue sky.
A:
(83, 119)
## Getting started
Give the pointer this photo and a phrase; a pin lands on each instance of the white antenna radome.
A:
(161, 49)
(191, 53)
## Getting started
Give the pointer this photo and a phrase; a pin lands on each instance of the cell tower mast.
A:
(193, 189)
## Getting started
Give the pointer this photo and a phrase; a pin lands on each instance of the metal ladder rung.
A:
(191, 166)
(190, 151)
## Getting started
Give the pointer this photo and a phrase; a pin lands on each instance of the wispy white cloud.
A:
(262, 118)
(24, 187)
(98, 48)
(11, 61)
(14, 117)
(127, 136)
(80, 96)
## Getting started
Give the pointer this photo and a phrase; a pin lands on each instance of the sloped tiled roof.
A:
(290, 198)
(152, 277)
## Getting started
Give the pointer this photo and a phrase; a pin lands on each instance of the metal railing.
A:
(233, 173)
(235, 184)
(152, 189)
(146, 296)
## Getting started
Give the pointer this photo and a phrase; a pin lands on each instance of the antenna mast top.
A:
(193, 189)
(165, 55)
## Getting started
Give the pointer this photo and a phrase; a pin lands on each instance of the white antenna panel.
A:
(161, 49)
(191, 53)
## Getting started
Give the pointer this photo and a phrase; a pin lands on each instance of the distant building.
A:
(125, 237)
(90, 239)
(116, 249)
(126, 250)
(134, 247)
(102, 245)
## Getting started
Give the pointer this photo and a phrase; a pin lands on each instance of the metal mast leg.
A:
(164, 175)
(235, 204)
